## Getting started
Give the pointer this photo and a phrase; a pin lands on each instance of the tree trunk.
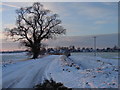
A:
(35, 55)
(36, 52)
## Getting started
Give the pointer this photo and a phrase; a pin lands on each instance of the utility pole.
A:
(94, 45)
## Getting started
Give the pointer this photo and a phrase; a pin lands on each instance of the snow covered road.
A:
(25, 74)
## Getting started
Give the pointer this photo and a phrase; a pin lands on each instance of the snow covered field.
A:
(77, 71)
(8, 58)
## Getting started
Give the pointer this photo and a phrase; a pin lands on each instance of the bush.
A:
(67, 54)
(51, 85)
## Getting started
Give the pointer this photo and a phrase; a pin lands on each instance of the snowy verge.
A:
(92, 72)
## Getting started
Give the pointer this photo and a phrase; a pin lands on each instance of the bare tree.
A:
(33, 25)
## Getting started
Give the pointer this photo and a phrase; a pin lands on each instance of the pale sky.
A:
(79, 18)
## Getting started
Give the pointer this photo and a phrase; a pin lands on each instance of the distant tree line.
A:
(83, 49)
(17, 51)
(70, 49)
